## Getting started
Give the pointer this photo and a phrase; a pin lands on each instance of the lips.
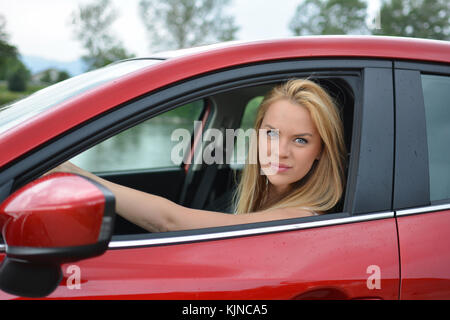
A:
(280, 167)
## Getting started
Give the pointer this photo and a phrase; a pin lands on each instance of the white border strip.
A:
(408, 212)
(240, 233)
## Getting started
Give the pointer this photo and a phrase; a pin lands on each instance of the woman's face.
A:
(288, 144)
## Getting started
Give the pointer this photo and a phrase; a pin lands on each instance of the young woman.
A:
(302, 176)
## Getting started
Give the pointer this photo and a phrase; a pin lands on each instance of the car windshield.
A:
(17, 112)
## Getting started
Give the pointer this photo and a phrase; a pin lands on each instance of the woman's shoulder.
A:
(300, 212)
(308, 210)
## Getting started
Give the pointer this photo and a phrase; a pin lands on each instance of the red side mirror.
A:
(58, 218)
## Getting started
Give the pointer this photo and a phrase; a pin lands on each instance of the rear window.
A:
(436, 91)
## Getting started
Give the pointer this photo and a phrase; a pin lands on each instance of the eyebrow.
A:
(296, 135)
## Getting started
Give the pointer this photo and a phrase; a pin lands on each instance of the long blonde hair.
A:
(321, 189)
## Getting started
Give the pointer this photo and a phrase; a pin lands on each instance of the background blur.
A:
(46, 41)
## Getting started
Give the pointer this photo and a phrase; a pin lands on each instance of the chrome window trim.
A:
(412, 211)
(247, 232)
(122, 244)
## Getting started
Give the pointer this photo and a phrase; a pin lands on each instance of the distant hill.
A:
(38, 64)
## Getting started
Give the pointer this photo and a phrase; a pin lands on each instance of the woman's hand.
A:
(67, 167)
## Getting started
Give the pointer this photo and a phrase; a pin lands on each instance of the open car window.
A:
(145, 146)
(141, 157)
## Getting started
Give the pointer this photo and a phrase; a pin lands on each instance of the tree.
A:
(320, 17)
(8, 52)
(3, 34)
(62, 75)
(175, 24)
(92, 27)
(18, 78)
(47, 77)
(415, 18)
(51, 76)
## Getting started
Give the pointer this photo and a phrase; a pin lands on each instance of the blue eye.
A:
(272, 133)
(301, 140)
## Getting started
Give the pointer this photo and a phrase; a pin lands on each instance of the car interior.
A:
(211, 186)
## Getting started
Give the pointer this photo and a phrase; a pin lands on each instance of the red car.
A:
(388, 238)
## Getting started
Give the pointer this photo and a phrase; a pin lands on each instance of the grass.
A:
(7, 96)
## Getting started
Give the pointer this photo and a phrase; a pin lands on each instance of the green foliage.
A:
(8, 52)
(52, 76)
(428, 19)
(175, 24)
(18, 78)
(7, 96)
(46, 77)
(63, 75)
(330, 17)
(92, 27)
(104, 56)
(189, 112)
(250, 112)
(11, 69)
(406, 18)
(3, 33)
(6, 66)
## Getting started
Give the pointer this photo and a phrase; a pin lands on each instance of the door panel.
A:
(331, 261)
(422, 190)
(424, 255)
(162, 182)
(324, 262)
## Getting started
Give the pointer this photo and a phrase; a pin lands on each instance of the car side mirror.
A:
(58, 218)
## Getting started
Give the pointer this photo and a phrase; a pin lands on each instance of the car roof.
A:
(195, 61)
(338, 45)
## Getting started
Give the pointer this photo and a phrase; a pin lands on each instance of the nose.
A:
(280, 148)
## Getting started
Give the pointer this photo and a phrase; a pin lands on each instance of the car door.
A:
(348, 254)
(422, 179)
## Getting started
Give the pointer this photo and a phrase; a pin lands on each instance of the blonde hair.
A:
(321, 189)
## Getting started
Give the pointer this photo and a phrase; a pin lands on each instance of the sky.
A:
(42, 27)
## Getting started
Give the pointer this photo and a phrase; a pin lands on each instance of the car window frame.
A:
(375, 72)
(412, 183)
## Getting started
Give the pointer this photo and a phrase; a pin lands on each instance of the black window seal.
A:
(411, 181)
(374, 169)
(424, 67)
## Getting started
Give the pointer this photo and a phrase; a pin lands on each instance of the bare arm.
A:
(155, 213)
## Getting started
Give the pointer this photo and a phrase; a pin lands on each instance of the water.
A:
(146, 146)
